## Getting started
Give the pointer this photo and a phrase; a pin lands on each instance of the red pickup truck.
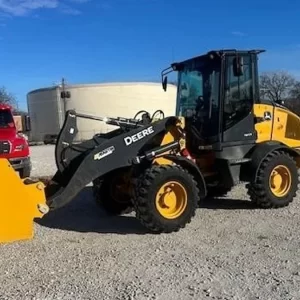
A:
(13, 144)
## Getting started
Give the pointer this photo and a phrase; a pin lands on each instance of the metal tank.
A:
(46, 107)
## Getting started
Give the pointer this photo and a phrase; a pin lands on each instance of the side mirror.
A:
(165, 83)
(27, 123)
(238, 66)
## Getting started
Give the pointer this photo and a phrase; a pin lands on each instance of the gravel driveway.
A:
(229, 251)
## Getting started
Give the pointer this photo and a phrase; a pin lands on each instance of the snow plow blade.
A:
(21, 202)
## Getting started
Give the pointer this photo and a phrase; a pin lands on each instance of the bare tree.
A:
(8, 98)
(295, 91)
(276, 86)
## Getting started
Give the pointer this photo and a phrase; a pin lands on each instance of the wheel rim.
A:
(280, 181)
(171, 200)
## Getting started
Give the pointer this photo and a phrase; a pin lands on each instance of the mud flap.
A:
(21, 202)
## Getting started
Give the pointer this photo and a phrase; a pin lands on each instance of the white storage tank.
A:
(47, 109)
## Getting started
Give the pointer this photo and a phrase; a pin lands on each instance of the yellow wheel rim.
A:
(171, 200)
(280, 181)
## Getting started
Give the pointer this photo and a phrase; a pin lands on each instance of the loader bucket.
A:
(21, 201)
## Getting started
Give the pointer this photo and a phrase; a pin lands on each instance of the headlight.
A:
(23, 135)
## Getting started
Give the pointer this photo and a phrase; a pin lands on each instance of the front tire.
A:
(166, 198)
(276, 182)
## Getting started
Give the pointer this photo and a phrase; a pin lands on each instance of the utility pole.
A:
(64, 95)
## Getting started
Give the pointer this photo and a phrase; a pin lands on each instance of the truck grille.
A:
(4, 147)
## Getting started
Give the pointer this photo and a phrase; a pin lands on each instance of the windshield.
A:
(6, 118)
(198, 88)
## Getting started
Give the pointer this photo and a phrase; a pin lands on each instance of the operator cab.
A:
(215, 95)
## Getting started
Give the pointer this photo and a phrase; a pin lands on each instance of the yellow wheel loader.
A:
(161, 167)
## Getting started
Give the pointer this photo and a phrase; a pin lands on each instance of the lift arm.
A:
(80, 164)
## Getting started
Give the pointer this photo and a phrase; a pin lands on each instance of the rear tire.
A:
(271, 190)
(176, 208)
(107, 196)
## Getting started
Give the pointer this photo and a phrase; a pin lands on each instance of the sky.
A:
(90, 41)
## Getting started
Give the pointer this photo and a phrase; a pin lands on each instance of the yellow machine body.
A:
(283, 127)
(21, 203)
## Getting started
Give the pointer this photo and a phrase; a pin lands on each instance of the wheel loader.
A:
(161, 167)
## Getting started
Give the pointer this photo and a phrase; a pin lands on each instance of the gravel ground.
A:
(229, 251)
(43, 156)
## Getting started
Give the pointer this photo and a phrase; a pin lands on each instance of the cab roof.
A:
(236, 51)
(219, 52)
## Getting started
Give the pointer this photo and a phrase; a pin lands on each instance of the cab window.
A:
(238, 93)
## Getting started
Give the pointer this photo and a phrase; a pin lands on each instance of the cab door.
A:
(238, 117)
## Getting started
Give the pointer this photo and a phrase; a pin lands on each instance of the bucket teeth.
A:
(43, 208)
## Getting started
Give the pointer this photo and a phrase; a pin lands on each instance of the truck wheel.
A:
(276, 182)
(25, 172)
(166, 198)
(109, 194)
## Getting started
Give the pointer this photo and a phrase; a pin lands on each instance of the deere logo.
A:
(138, 136)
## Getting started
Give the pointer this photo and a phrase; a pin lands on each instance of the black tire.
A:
(25, 172)
(260, 192)
(148, 186)
(110, 203)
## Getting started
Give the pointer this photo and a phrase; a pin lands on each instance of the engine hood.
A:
(8, 134)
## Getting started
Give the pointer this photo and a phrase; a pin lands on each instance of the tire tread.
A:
(257, 190)
(141, 202)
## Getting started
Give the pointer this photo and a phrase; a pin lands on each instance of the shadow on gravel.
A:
(227, 204)
(83, 215)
